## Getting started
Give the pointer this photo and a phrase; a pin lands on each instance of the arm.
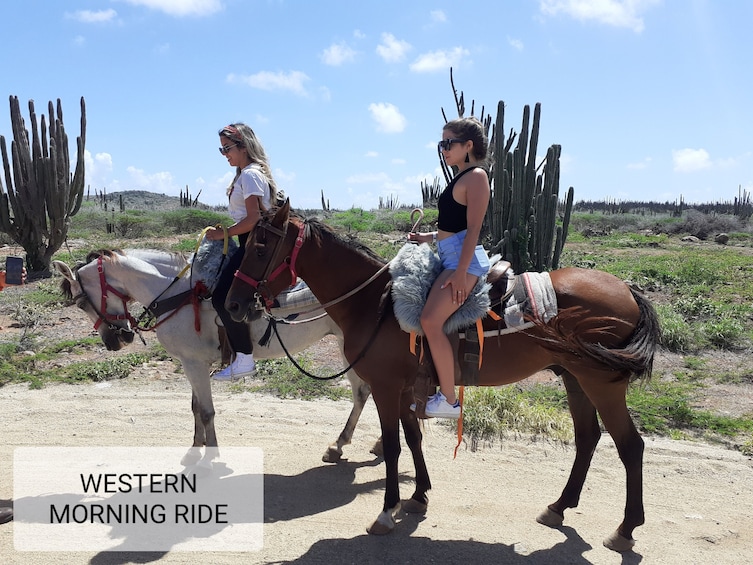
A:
(423, 237)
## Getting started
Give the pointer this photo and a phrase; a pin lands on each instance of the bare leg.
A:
(440, 306)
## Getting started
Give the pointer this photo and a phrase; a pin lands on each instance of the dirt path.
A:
(699, 503)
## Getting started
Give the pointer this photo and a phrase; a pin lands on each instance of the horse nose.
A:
(234, 309)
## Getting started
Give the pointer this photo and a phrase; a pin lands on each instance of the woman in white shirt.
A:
(252, 191)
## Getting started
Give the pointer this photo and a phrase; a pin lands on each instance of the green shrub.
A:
(193, 220)
(676, 334)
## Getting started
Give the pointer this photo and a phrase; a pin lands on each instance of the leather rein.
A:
(262, 293)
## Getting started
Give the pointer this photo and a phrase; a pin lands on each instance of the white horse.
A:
(186, 326)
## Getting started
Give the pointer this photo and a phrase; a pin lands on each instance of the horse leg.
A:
(417, 503)
(609, 399)
(388, 406)
(361, 392)
(203, 410)
(199, 434)
(587, 434)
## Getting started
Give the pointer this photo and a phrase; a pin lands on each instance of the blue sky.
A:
(649, 99)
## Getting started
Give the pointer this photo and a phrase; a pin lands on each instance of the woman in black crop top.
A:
(462, 208)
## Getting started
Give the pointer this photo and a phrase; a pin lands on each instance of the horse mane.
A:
(322, 232)
(178, 258)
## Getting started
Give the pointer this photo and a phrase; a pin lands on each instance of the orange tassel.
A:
(460, 421)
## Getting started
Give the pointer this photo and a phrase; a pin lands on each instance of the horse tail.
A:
(634, 357)
(646, 337)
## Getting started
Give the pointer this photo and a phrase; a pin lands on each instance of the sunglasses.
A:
(225, 148)
(446, 144)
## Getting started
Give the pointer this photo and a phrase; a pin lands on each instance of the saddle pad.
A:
(534, 296)
(208, 260)
(414, 269)
(297, 298)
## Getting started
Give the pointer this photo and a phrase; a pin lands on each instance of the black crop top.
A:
(453, 216)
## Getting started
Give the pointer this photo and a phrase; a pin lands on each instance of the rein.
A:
(273, 323)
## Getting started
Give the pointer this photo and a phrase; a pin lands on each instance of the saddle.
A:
(468, 351)
(501, 301)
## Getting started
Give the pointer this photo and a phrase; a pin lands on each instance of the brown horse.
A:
(603, 336)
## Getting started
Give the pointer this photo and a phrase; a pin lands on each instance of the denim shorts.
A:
(449, 253)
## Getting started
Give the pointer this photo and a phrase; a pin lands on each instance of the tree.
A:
(41, 194)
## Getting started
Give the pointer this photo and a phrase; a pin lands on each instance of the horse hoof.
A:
(332, 455)
(385, 522)
(550, 518)
(191, 458)
(413, 506)
(618, 542)
(379, 529)
(377, 450)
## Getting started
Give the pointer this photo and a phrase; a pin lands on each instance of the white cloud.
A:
(617, 13)
(92, 17)
(387, 117)
(292, 81)
(439, 60)
(98, 169)
(338, 54)
(368, 178)
(371, 154)
(391, 49)
(438, 16)
(161, 182)
(516, 44)
(79, 40)
(640, 165)
(690, 160)
(181, 8)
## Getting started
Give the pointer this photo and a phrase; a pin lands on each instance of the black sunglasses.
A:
(446, 144)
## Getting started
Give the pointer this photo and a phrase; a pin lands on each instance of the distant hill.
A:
(145, 200)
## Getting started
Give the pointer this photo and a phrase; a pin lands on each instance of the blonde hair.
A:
(242, 134)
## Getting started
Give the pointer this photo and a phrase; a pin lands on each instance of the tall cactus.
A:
(42, 195)
(523, 209)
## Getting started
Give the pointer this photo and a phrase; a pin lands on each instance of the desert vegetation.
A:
(703, 291)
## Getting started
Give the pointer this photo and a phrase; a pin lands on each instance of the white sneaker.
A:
(438, 407)
(243, 366)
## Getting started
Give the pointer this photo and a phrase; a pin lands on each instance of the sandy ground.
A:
(699, 501)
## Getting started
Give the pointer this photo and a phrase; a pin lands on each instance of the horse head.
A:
(111, 320)
(268, 265)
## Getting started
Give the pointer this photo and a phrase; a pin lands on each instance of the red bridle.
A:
(102, 313)
(287, 264)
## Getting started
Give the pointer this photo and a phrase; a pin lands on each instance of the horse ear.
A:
(283, 212)
(64, 270)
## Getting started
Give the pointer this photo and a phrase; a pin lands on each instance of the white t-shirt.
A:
(251, 182)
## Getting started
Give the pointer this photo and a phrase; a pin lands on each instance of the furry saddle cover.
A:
(414, 269)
